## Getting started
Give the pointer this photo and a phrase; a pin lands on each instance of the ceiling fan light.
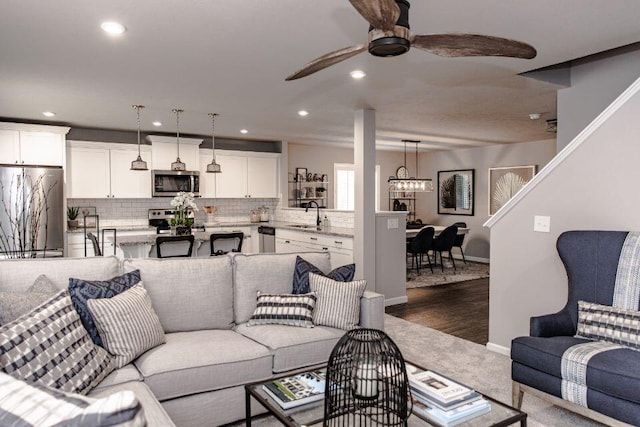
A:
(389, 46)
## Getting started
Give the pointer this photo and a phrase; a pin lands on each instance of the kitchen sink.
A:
(302, 226)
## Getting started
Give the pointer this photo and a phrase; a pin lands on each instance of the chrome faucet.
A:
(318, 222)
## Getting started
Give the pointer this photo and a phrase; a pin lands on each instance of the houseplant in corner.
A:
(183, 203)
(72, 215)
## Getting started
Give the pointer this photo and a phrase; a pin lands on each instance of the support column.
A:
(364, 156)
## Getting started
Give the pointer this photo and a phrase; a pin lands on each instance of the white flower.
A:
(184, 201)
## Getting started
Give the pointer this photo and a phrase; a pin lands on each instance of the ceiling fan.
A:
(389, 35)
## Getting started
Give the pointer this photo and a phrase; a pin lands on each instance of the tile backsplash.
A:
(122, 212)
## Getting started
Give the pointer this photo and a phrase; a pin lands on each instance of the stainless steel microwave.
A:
(166, 183)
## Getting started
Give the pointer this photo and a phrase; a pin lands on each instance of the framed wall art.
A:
(505, 182)
(456, 192)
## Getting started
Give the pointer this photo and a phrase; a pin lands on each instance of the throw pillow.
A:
(83, 290)
(610, 324)
(284, 309)
(49, 346)
(338, 303)
(127, 323)
(23, 404)
(303, 268)
(15, 304)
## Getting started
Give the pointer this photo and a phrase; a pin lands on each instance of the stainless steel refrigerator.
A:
(31, 211)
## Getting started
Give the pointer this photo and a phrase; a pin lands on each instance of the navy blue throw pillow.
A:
(83, 290)
(344, 273)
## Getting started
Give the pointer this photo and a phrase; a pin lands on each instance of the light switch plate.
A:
(392, 223)
(541, 224)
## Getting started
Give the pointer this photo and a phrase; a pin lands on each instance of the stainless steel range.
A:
(161, 219)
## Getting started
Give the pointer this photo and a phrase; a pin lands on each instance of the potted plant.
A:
(183, 203)
(72, 215)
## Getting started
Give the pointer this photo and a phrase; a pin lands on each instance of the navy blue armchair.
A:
(609, 387)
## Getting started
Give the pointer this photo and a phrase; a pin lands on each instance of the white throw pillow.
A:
(338, 304)
(127, 324)
(23, 404)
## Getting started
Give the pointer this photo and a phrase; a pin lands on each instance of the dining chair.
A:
(457, 243)
(174, 246)
(222, 243)
(421, 245)
(444, 243)
(96, 246)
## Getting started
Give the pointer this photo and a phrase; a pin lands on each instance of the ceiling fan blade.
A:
(381, 14)
(472, 45)
(326, 61)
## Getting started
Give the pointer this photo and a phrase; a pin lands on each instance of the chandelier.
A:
(405, 183)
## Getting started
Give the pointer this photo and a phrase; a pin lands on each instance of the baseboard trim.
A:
(498, 349)
(472, 258)
(395, 301)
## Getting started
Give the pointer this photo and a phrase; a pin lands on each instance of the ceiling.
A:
(232, 56)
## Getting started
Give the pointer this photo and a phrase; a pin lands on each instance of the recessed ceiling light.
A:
(535, 116)
(358, 74)
(303, 113)
(244, 131)
(48, 113)
(157, 123)
(113, 28)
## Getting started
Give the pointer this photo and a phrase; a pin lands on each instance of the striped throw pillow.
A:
(610, 324)
(127, 324)
(49, 346)
(23, 404)
(338, 303)
(284, 309)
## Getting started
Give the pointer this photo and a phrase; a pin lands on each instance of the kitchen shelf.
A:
(298, 188)
(406, 196)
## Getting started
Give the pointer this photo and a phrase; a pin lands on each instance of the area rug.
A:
(467, 362)
(463, 272)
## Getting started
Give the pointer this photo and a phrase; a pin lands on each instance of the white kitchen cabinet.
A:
(340, 248)
(207, 180)
(250, 242)
(247, 175)
(32, 147)
(98, 171)
(165, 152)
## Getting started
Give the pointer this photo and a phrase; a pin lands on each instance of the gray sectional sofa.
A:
(197, 377)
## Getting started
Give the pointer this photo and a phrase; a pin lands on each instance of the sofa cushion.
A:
(610, 324)
(303, 267)
(127, 323)
(338, 303)
(189, 294)
(23, 404)
(15, 304)
(284, 309)
(294, 347)
(18, 275)
(50, 346)
(612, 372)
(82, 290)
(267, 273)
(123, 375)
(200, 361)
(153, 410)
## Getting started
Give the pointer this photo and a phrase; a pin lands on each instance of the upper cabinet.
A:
(99, 170)
(38, 145)
(165, 152)
(247, 174)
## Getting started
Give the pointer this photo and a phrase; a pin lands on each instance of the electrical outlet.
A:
(541, 224)
(392, 223)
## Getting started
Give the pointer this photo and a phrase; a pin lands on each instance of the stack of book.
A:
(441, 400)
(297, 390)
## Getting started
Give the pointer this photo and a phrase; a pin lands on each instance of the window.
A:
(344, 178)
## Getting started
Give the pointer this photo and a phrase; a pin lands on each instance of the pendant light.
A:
(411, 184)
(138, 164)
(213, 167)
(178, 165)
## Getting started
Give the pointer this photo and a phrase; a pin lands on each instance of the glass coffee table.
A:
(313, 413)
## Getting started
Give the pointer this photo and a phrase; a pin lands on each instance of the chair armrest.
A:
(550, 325)
(372, 310)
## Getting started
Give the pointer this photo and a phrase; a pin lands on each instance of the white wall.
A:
(476, 243)
(595, 82)
(594, 188)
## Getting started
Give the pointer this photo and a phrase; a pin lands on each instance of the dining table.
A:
(411, 233)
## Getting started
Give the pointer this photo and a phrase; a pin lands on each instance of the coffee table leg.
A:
(247, 407)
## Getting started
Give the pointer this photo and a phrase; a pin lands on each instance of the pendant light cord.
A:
(213, 134)
(177, 111)
(138, 108)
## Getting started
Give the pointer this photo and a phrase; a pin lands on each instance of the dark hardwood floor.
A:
(459, 309)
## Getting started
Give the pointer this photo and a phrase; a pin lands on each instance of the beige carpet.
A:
(470, 363)
(462, 273)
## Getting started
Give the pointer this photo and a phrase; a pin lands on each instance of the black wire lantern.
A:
(366, 381)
